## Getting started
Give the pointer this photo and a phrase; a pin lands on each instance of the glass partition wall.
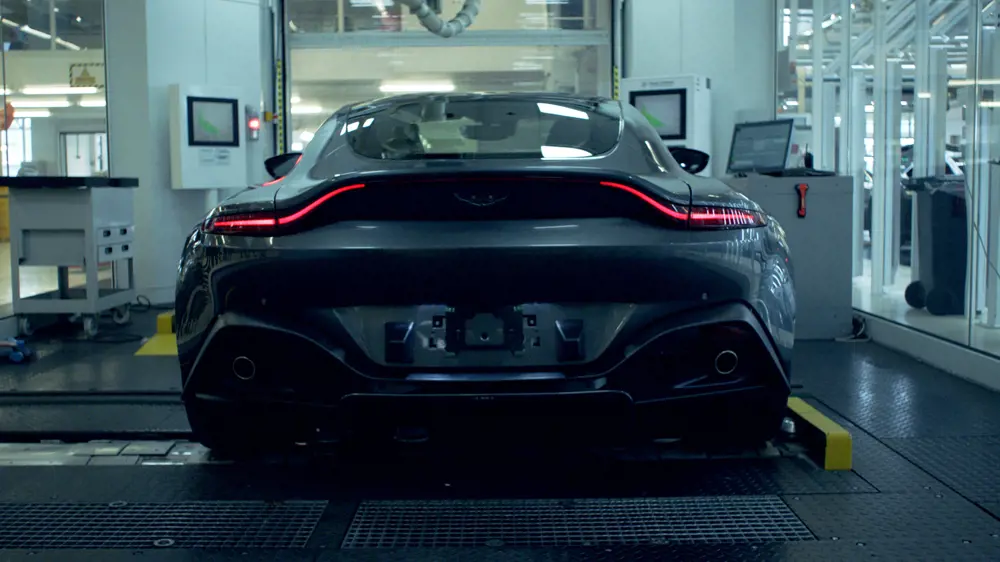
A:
(902, 95)
(52, 70)
(342, 51)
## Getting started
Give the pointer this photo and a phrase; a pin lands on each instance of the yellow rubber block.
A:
(159, 345)
(836, 454)
(165, 323)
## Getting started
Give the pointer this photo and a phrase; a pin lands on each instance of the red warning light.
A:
(255, 123)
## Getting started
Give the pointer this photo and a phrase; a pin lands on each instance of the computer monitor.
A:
(760, 147)
(666, 111)
(213, 121)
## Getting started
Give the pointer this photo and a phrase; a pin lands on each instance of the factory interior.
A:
(887, 116)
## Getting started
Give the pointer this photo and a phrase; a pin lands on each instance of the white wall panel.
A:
(732, 42)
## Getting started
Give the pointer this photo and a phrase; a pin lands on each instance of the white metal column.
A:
(822, 120)
(885, 193)
(930, 108)
(978, 170)
(990, 133)
(855, 132)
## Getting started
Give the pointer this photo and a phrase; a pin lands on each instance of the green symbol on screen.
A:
(206, 126)
(652, 120)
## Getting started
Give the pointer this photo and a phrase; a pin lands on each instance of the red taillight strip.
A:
(242, 223)
(720, 216)
(673, 213)
(309, 208)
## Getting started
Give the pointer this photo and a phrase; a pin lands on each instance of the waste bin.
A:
(942, 241)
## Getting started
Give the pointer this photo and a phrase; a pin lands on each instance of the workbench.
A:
(72, 222)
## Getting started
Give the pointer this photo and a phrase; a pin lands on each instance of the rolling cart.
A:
(72, 222)
(942, 242)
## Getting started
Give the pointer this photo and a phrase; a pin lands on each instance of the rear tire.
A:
(235, 432)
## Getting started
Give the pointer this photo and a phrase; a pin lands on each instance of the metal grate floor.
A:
(203, 524)
(583, 522)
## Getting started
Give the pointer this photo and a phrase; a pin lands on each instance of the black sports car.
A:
(505, 261)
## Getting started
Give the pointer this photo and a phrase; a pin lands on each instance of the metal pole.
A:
(52, 25)
(991, 124)
(856, 160)
(846, 90)
(923, 154)
(819, 91)
(885, 193)
(977, 170)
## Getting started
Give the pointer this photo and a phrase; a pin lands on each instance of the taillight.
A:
(698, 217)
(725, 217)
(677, 212)
(266, 222)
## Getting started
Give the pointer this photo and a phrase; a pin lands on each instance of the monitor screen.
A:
(760, 147)
(666, 111)
(213, 122)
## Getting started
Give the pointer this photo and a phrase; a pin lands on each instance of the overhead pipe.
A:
(465, 17)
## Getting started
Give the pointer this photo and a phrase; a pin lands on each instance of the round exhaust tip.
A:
(244, 368)
(726, 362)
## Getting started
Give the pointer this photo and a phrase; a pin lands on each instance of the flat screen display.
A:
(760, 147)
(666, 111)
(213, 122)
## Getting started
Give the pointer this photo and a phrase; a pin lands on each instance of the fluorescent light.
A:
(415, 87)
(983, 82)
(306, 109)
(56, 90)
(28, 114)
(307, 136)
(39, 103)
(93, 103)
(924, 95)
(869, 109)
(990, 104)
(296, 146)
(792, 103)
(296, 99)
(553, 109)
(908, 66)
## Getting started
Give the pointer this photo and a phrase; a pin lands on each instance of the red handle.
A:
(802, 189)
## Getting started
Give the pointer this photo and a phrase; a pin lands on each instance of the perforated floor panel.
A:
(562, 523)
(233, 524)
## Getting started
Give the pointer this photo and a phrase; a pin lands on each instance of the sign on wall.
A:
(87, 75)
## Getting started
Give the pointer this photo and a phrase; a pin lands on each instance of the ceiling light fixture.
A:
(39, 103)
(57, 90)
(416, 87)
(306, 109)
(32, 113)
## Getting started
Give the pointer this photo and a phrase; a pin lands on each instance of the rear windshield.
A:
(485, 128)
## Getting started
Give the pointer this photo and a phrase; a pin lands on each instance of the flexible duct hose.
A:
(436, 25)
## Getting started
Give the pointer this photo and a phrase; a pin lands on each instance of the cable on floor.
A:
(143, 304)
(859, 334)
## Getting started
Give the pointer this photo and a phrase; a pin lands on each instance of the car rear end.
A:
(581, 293)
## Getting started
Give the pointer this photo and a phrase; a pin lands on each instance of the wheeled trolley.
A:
(942, 222)
(72, 222)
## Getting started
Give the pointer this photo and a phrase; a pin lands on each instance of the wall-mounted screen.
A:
(666, 111)
(213, 122)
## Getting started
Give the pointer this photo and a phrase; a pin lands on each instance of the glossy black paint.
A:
(310, 285)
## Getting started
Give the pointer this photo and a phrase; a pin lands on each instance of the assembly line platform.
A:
(123, 483)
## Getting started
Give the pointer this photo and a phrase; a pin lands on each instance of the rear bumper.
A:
(657, 374)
